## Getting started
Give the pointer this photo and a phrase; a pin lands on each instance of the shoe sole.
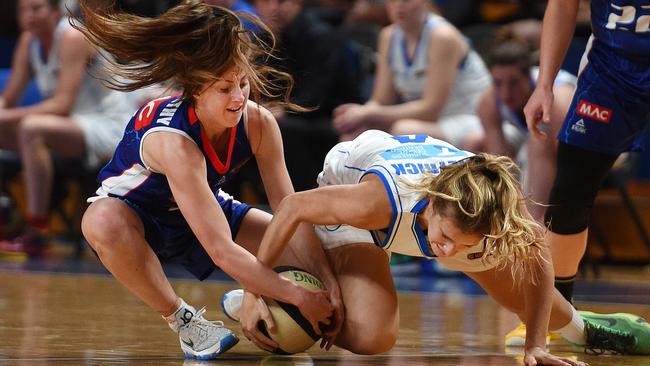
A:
(224, 345)
(223, 306)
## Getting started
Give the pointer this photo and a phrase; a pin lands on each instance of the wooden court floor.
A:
(89, 319)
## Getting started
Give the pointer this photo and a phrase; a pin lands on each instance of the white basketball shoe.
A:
(231, 303)
(200, 338)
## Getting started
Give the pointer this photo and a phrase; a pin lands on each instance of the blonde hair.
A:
(190, 45)
(483, 196)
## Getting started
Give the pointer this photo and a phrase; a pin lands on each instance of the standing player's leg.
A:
(580, 174)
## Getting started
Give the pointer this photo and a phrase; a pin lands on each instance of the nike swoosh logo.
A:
(189, 344)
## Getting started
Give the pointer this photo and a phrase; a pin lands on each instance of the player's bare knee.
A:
(371, 337)
(372, 344)
(29, 128)
(102, 222)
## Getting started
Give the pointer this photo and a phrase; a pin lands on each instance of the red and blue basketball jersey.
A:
(128, 177)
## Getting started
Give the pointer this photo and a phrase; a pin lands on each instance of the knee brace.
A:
(580, 174)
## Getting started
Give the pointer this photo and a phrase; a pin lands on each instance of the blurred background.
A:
(330, 47)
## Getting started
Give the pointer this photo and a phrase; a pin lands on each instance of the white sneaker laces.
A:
(200, 327)
(198, 319)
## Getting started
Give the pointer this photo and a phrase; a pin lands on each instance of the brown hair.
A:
(482, 195)
(509, 49)
(189, 45)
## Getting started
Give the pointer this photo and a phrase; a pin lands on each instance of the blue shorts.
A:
(611, 106)
(171, 238)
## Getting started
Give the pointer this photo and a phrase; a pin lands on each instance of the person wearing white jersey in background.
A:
(428, 80)
(78, 117)
(416, 195)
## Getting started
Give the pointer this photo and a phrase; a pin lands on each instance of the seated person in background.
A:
(428, 80)
(323, 68)
(501, 113)
(77, 118)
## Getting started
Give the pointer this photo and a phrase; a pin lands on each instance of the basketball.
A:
(293, 332)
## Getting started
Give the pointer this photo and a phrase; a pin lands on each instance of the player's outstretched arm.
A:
(185, 168)
(364, 205)
(266, 139)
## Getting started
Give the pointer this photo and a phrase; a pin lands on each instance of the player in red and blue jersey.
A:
(160, 196)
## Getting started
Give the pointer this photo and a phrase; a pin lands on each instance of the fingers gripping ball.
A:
(293, 332)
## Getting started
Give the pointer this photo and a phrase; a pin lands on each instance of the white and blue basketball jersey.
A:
(398, 161)
(129, 177)
(93, 96)
(410, 75)
(517, 118)
(46, 67)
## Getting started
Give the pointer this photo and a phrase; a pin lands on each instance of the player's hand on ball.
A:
(254, 310)
(330, 332)
(317, 308)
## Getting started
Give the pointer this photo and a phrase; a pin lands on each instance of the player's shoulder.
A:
(73, 40)
(385, 36)
(260, 124)
(257, 114)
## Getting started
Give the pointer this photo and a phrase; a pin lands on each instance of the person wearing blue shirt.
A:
(608, 115)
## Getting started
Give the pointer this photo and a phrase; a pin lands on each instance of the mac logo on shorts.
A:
(594, 111)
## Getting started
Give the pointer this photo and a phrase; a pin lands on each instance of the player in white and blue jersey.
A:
(607, 116)
(501, 113)
(428, 80)
(420, 196)
(160, 196)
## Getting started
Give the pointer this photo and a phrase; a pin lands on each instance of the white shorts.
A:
(457, 127)
(101, 134)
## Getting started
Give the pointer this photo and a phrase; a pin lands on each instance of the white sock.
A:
(173, 319)
(574, 331)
